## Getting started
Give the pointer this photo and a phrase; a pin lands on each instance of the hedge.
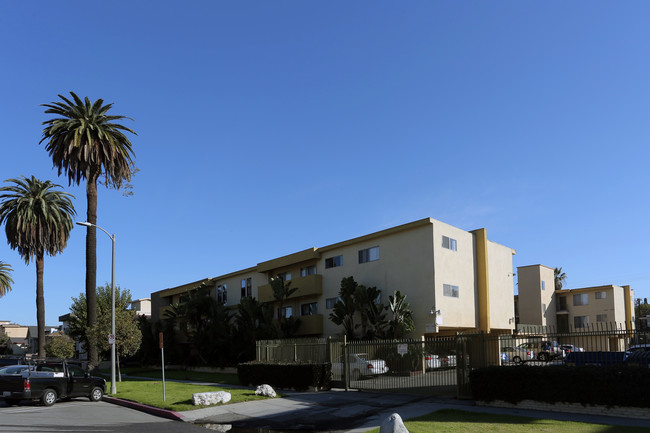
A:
(287, 375)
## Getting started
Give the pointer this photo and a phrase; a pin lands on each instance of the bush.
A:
(609, 386)
(59, 346)
(299, 376)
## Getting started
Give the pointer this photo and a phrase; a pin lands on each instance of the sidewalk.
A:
(352, 411)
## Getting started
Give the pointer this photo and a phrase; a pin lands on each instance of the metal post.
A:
(113, 386)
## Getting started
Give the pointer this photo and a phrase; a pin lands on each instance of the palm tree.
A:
(345, 308)
(560, 278)
(402, 321)
(38, 220)
(85, 143)
(5, 279)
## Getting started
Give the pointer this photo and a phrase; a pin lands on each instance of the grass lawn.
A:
(225, 378)
(178, 395)
(456, 421)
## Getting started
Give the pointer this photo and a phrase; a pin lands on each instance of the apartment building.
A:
(568, 310)
(454, 280)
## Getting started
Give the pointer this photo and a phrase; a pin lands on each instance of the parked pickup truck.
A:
(49, 381)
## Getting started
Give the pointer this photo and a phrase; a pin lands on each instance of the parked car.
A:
(448, 361)
(568, 348)
(546, 350)
(360, 366)
(517, 354)
(432, 361)
(638, 347)
(50, 381)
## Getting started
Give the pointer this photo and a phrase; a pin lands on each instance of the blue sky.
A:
(265, 128)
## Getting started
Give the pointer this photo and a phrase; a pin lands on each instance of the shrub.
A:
(299, 376)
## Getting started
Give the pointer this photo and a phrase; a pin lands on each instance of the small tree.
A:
(401, 322)
(59, 346)
(281, 292)
(4, 344)
(345, 307)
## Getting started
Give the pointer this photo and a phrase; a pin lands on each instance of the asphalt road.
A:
(80, 415)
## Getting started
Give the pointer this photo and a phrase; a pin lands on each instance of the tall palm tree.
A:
(560, 278)
(38, 220)
(85, 143)
(5, 279)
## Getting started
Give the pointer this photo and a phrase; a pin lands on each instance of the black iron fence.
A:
(442, 365)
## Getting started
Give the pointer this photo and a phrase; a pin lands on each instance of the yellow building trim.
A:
(182, 289)
(483, 279)
(628, 306)
(291, 259)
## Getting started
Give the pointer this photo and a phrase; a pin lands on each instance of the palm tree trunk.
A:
(91, 264)
(40, 305)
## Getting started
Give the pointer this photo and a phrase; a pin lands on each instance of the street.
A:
(80, 415)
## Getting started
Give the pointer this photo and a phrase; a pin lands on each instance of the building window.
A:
(369, 255)
(601, 295)
(543, 285)
(330, 302)
(581, 299)
(449, 243)
(449, 290)
(286, 276)
(246, 287)
(543, 308)
(601, 318)
(309, 309)
(222, 294)
(581, 321)
(333, 262)
(287, 312)
(308, 270)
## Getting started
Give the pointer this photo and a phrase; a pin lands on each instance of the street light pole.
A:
(87, 224)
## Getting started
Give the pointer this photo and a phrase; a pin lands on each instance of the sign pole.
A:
(162, 354)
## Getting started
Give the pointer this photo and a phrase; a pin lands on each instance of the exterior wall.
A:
(456, 268)
(502, 288)
(613, 305)
(532, 299)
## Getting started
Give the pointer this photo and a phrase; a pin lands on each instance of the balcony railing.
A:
(310, 325)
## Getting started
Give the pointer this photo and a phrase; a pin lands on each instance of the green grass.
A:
(456, 421)
(225, 378)
(178, 395)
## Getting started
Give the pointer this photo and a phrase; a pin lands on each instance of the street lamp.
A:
(87, 224)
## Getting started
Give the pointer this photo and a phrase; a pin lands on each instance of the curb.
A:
(163, 413)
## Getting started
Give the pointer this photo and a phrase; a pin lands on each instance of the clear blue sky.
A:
(265, 128)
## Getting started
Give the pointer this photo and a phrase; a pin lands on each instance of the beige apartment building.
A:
(572, 310)
(454, 280)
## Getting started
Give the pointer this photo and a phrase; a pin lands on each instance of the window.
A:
(601, 318)
(222, 294)
(329, 303)
(286, 276)
(449, 290)
(581, 321)
(449, 243)
(333, 262)
(543, 285)
(582, 299)
(309, 309)
(601, 295)
(543, 308)
(246, 287)
(287, 312)
(369, 255)
(308, 270)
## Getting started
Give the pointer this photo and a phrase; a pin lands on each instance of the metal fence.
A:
(441, 366)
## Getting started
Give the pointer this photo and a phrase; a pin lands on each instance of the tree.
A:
(345, 307)
(38, 220)
(60, 346)
(402, 321)
(560, 278)
(5, 279)
(371, 311)
(254, 321)
(127, 332)
(85, 143)
(281, 292)
(5, 341)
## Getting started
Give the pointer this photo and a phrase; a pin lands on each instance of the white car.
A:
(360, 366)
(516, 355)
(432, 361)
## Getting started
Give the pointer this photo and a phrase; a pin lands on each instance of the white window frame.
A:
(601, 295)
(334, 262)
(584, 322)
(449, 243)
(583, 299)
(450, 291)
(369, 255)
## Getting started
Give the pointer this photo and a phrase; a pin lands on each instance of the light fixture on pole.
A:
(112, 336)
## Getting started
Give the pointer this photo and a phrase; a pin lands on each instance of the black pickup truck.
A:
(49, 381)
